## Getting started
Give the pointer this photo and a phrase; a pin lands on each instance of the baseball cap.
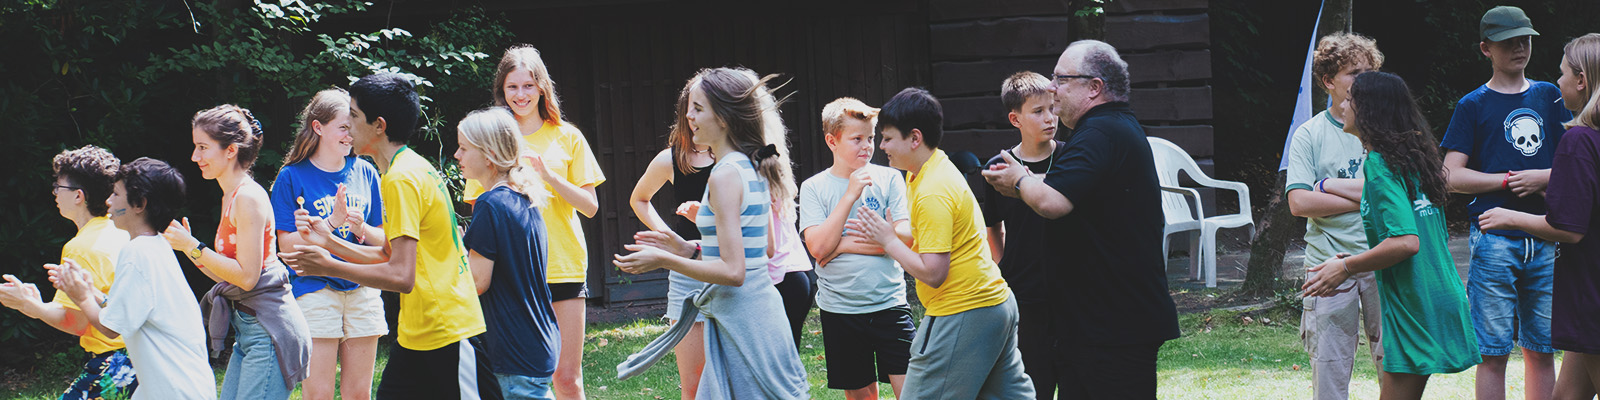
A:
(1505, 22)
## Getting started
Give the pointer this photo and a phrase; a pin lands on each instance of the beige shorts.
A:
(333, 314)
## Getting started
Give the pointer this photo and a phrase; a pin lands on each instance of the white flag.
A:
(1302, 102)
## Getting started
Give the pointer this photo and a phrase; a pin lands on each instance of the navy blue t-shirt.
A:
(1502, 132)
(522, 334)
(317, 187)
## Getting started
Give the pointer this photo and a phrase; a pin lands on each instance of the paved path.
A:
(1231, 265)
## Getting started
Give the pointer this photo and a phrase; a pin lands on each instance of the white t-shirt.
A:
(151, 305)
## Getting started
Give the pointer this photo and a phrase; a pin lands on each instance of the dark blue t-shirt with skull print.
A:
(1502, 132)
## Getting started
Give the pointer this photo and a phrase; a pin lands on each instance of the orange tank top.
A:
(228, 234)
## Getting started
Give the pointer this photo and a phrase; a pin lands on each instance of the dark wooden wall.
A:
(619, 69)
(619, 65)
(976, 45)
(1166, 44)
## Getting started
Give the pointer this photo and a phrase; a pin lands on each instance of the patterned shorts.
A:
(107, 376)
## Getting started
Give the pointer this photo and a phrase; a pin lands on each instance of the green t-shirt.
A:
(1426, 328)
(1322, 149)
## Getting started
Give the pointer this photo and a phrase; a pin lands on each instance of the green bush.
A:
(128, 76)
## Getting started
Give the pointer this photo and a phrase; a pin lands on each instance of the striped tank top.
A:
(754, 218)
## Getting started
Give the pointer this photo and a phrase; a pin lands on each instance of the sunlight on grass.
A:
(1261, 359)
(1266, 361)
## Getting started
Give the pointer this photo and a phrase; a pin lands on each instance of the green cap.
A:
(1505, 22)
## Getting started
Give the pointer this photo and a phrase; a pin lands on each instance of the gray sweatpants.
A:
(968, 355)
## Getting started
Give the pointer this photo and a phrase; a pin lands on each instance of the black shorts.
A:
(864, 348)
(568, 291)
(458, 370)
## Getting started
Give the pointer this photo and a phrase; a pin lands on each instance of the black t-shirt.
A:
(1029, 249)
(1111, 282)
(685, 188)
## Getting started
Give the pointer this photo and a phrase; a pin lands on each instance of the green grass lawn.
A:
(1232, 360)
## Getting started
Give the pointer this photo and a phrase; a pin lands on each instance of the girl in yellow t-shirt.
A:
(563, 160)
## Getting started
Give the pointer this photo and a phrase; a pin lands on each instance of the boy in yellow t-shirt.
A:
(83, 181)
(966, 346)
(423, 259)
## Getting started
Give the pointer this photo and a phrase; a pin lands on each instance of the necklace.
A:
(1051, 157)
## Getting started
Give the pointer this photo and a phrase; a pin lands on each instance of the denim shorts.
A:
(519, 387)
(1509, 288)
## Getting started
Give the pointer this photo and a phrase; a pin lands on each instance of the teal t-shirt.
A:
(1322, 149)
(1426, 327)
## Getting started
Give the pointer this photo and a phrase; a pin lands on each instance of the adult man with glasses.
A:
(1106, 205)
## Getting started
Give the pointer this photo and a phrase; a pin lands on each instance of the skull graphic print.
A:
(1525, 130)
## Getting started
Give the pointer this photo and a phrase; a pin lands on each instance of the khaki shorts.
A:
(333, 314)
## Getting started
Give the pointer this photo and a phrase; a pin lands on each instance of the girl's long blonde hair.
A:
(323, 108)
(1583, 56)
(526, 57)
(494, 131)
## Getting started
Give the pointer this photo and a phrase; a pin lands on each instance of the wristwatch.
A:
(197, 251)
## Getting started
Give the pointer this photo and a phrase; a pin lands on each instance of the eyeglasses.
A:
(1059, 77)
(55, 187)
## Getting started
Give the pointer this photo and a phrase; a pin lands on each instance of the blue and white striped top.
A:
(754, 218)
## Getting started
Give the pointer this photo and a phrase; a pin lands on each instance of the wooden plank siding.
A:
(641, 64)
(619, 65)
(952, 10)
(1005, 37)
(1166, 44)
(975, 46)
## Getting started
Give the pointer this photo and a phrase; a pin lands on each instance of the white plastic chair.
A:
(1188, 216)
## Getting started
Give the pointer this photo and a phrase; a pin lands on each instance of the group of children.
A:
(856, 220)
(487, 313)
(299, 268)
(1368, 172)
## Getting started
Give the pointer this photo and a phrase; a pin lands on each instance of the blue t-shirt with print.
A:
(1502, 132)
(317, 187)
(507, 229)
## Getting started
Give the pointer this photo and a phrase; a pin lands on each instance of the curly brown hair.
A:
(91, 169)
(1390, 124)
(1336, 51)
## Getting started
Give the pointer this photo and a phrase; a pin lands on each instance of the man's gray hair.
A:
(1101, 60)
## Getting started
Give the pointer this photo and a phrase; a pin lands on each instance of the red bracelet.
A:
(1506, 183)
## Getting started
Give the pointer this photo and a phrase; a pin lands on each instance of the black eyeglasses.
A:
(55, 187)
(1059, 77)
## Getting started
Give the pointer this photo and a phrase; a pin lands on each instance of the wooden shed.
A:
(619, 65)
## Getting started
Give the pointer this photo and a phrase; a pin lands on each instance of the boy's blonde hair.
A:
(1017, 88)
(1583, 56)
(1338, 50)
(835, 113)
